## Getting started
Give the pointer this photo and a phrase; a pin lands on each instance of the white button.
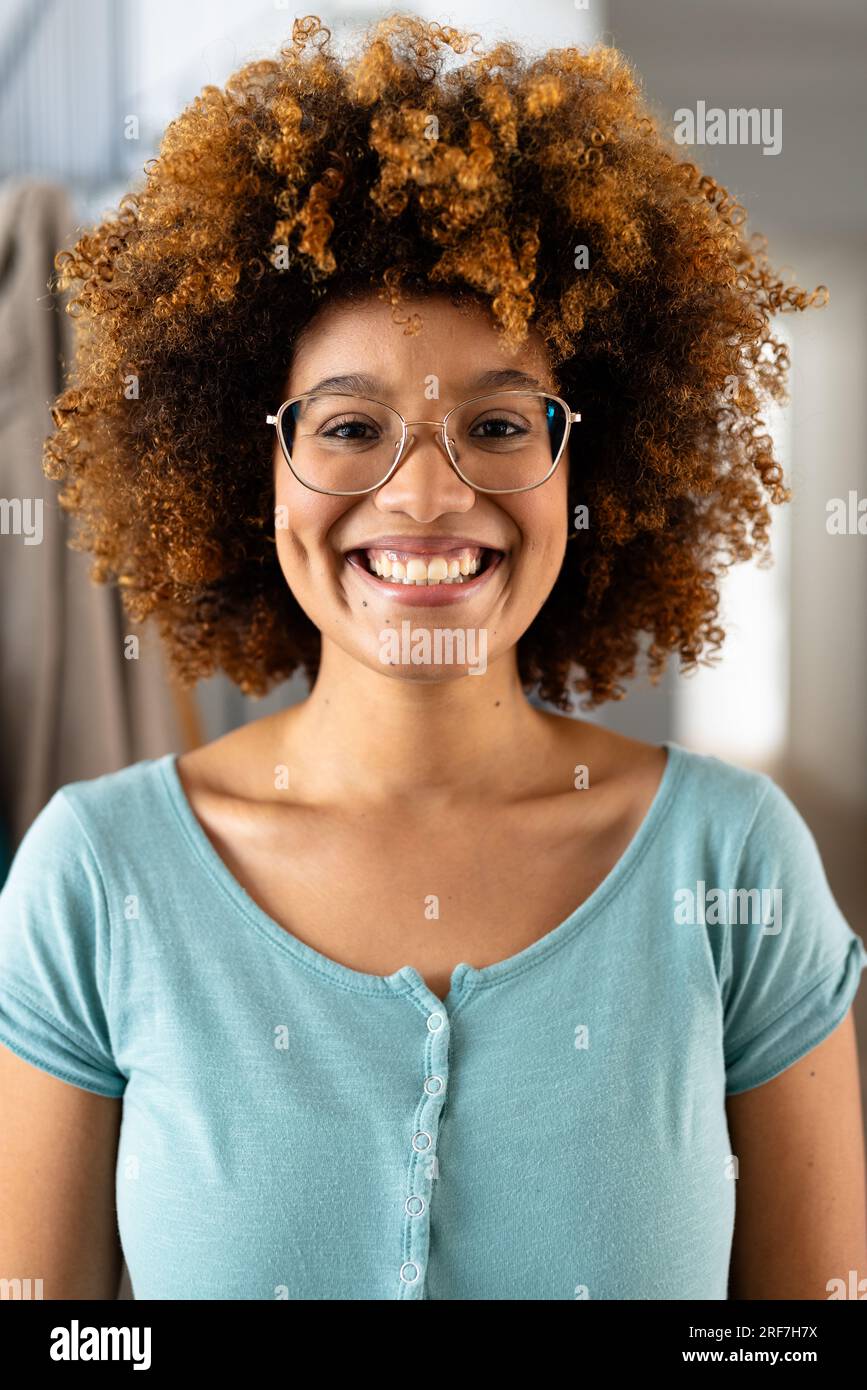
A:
(409, 1272)
(433, 1085)
(411, 1206)
(435, 1022)
(422, 1134)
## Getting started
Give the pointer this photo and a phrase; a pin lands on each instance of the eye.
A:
(349, 428)
(496, 427)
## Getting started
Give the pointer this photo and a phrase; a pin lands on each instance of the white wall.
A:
(181, 47)
(828, 614)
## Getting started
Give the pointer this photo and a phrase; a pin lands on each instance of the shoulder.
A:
(727, 785)
(738, 825)
(89, 824)
(720, 812)
(747, 815)
(719, 818)
(105, 804)
(701, 787)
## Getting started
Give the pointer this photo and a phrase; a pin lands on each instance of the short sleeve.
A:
(54, 954)
(790, 963)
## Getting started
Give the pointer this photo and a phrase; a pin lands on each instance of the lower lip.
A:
(426, 595)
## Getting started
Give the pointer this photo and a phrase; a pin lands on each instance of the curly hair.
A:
(397, 171)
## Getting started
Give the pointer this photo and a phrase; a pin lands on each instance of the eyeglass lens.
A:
(349, 443)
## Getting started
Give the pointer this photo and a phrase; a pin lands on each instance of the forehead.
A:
(453, 343)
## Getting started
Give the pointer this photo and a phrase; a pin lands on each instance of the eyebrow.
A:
(360, 384)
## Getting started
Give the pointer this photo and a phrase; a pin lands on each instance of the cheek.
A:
(302, 520)
(542, 518)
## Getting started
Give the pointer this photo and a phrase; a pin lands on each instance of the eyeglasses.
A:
(344, 445)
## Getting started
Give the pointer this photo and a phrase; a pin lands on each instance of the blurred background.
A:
(86, 89)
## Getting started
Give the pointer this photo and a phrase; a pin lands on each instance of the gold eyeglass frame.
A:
(572, 417)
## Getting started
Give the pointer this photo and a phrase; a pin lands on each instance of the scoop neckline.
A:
(407, 978)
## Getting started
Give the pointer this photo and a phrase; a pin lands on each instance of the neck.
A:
(389, 738)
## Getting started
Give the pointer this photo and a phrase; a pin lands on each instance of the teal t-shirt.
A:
(554, 1129)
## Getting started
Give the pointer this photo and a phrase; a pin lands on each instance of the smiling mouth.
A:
(409, 568)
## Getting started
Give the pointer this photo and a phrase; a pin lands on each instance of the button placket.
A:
(423, 1166)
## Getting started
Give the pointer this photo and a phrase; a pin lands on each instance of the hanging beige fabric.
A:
(72, 704)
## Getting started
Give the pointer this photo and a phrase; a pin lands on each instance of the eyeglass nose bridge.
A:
(400, 448)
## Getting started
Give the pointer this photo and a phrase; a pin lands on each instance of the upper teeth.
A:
(416, 570)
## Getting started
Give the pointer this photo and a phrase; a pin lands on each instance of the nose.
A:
(425, 485)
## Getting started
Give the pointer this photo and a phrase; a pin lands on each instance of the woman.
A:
(441, 384)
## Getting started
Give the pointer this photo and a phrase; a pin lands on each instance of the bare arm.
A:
(800, 1217)
(58, 1149)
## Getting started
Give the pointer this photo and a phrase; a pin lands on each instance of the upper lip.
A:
(422, 545)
